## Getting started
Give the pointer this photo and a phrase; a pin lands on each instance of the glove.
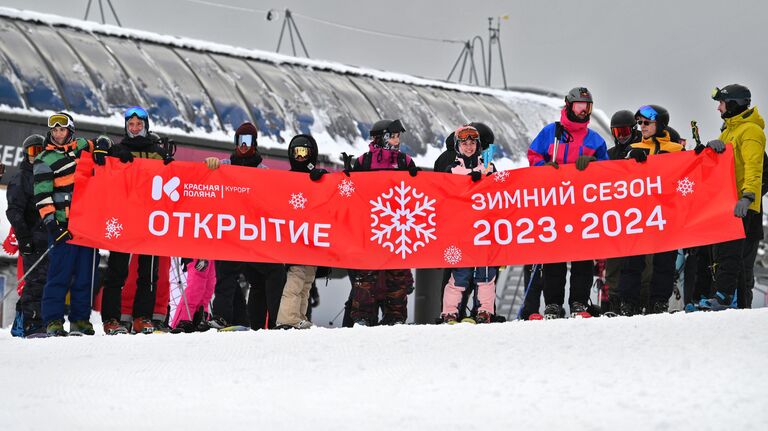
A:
(742, 206)
(699, 148)
(26, 248)
(121, 153)
(201, 265)
(583, 161)
(413, 170)
(212, 163)
(717, 145)
(58, 232)
(167, 159)
(553, 164)
(314, 298)
(315, 174)
(101, 150)
(638, 154)
(476, 175)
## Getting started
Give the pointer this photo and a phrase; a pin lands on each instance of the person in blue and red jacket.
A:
(568, 141)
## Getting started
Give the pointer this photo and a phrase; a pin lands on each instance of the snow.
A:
(696, 371)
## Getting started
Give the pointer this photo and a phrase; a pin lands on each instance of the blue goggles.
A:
(648, 112)
(137, 111)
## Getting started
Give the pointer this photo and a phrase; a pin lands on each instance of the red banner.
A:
(388, 219)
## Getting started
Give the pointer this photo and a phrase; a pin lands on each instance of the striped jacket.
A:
(54, 171)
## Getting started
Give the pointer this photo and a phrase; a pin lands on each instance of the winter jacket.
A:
(619, 151)
(22, 212)
(745, 133)
(141, 147)
(252, 162)
(383, 159)
(658, 145)
(54, 171)
(576, 140)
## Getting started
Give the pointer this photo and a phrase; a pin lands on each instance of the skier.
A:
(136, 143)
(654, 122)
(469, 162)
(302, 155)
(743, 129)
(201, 283)
(266, 279)
(31, 236)
(387, 289)
(574, 143)
(70, 267)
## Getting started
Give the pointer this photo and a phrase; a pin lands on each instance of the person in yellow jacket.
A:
(654, 127)
(743, 128)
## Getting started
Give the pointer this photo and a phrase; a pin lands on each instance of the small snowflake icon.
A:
(685, 186)
(346, 188)
(501, 176)
(297, 200)
(113, 229)
(452, 255)
(408, 226)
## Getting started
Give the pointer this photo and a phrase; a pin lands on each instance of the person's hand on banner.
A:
(553, 164)
(742, 206)
(101, 150)
(201, 265)
(638, 154)
(717, 145)
(476, 176)
(212, 163)
(583, 161)
(413, 170)
(58, 232)
(699, 148)
(315, 174)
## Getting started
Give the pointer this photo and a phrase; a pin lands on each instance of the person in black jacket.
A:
(266, 279)
(137, 142)
(31, 235)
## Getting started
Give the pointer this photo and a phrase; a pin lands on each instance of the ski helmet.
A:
(245, 140)
(623, 125)
(302, 145)
(61, 119)
(654, 113)
(464, 133)
(578, 94)
(736, 97)
(382, 129)
(141, 114)
(33, 145)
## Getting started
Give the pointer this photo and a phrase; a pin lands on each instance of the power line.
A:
(226, 6)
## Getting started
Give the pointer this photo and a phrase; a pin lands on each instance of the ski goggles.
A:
(245, 140)
(648, 112)
(581, 107)
(716, 94)
(621, 132)
(33, 150)
(466, 133)
(137, 111)
(301, 152)
(60, 120)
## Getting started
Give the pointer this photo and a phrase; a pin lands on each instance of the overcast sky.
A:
(629, 53)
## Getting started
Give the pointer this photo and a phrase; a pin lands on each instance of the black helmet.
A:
(382, 127)
(623, 118)
(577, 94)
(736, 97)
(303, 141)
(32, 141)
(656, 113)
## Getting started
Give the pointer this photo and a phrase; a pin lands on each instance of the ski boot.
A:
(113, 327)
(579, 310)
(718, 302)
(160, 326)
(217, 322)
(79, 328)
(553, 311)
(34, 329)
(56, 329)
(483, 317)
(449, 318)
(659, 307)
(143, 325)
(183, 327)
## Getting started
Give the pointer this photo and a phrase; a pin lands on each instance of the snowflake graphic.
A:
(501, 176)
(685, 186)
(409, 226)
(297, 200)
(452, 255)
(346, 188)
(113, 229)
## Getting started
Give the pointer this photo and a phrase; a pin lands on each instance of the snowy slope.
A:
(699, 371)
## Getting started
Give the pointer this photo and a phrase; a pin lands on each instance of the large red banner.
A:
(389, 219)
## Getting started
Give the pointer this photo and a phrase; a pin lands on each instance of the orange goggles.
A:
(620, 132)
(467, 132)
(33, 150)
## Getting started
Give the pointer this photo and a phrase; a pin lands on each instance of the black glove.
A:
(717, 145)
(101, 150)
(58, 232)
(699, 148)
(583, 161)
(121, 153)
(413, 170)
(314, 298)
(201, 265)
(553, 164)
(476, 176)
(166, 159)
(315, 174)
(26, 248)
(742, 206)
(638, 154)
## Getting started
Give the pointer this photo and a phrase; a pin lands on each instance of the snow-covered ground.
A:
(668, 372)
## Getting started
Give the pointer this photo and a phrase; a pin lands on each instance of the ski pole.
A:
(28, 271)
(534, 269)
(337, 315)
(181, 286)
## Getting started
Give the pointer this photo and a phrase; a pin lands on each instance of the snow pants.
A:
(198, 293)
(387, 289)
(484, 278)
(162, 292)
(662, 278)
(34, 283)
(582, 274)
(70, 268)
(295, 298)
(266, 288)
(115, 278)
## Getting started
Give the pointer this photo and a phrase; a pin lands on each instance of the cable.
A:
(225, 6)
